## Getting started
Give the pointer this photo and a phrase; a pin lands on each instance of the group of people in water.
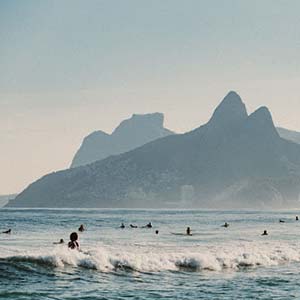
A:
(149, 225)
(74, 243)
(280, 221)
(189, 231)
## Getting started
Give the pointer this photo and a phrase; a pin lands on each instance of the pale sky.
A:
(71, 67)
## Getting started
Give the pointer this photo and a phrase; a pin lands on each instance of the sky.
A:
(72, 67)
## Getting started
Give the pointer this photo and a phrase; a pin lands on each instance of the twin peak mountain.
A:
(236, 160)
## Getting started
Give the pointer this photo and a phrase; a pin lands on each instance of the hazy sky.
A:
(70, 67)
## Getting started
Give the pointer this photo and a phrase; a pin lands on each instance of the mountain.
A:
(236, 160)
(289, 135)
(130, 134)
(5, 198)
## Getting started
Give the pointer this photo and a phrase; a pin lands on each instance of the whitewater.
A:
(215, 262)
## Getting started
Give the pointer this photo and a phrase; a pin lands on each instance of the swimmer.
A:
(73, 244)
(156, 231)
(61, 241)
(188, 231)
(265, 232)
(297, 218)
(122, 226)
(7, 231)
(133, 226)
(81, 228)
(281, 221)
(226, 225)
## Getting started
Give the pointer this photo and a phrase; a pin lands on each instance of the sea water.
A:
(214, 263)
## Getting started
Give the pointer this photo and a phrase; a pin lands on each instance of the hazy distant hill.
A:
(290, 135)
(4, 199)
(131, 133)
(234, 160)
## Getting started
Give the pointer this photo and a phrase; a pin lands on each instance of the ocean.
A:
(214, 263)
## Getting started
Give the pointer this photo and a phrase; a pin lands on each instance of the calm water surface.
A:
(215, 263)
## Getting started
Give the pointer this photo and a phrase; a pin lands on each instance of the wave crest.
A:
(234, 257)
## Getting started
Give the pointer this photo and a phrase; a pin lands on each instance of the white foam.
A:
(216, 258)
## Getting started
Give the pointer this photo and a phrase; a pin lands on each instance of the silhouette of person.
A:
(133, 226)
(149, 225)
(81, 228)
(265, 232)
(61, 241)
(73, 244)
(188, 231)
(226, 225)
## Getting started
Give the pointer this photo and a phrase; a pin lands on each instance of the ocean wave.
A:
(218, 258)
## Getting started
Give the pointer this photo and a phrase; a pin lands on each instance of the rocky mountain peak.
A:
(230, 111)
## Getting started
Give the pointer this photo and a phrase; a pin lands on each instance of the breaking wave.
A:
(233, 257)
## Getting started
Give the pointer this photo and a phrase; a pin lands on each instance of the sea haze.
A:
(236, 160)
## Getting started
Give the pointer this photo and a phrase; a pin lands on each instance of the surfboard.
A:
(181, 234)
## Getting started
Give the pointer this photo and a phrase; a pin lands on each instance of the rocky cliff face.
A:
(130, 134)
(234, 160)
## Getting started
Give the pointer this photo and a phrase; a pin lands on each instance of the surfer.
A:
(81, 228)
(281, 221)
(149, 225)
(265, 232)
(133, 226)
(156, 231)
(61, 241)
(7, 231)
(226, 225)
(297, 218)
(188, 231)
(122, 226)
(73, 244)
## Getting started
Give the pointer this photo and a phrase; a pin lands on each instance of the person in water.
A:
(156, 231)
(281, 221)
(73, 244)
(81, 228)
(297, 218)
(188, 231)
(122, 226)
(7, 231)
(61, 241)
(265, 232)
(226, 225)
(133, 226)
(149, 225)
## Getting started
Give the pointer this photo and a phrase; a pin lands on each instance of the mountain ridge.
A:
(129, 134)
(290, 135)
(239, 161)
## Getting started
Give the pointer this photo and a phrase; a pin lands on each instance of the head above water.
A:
(74, 236)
